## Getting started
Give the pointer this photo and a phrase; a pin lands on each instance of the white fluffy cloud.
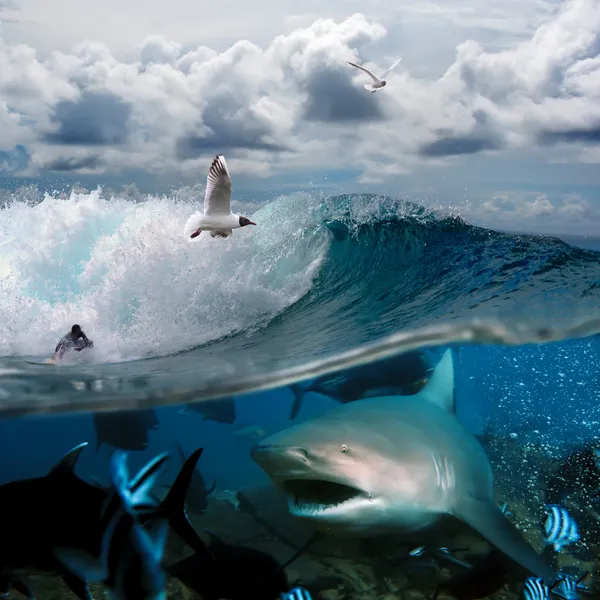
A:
(295, 105)
(536, 211)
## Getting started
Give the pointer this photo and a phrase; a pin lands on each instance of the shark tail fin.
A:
(439, 389)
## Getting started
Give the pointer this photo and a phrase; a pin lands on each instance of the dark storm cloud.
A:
(483, 136)
(96, 119)
(333, 98)
(454, 146)
(65, 164)
(589, 135)
(227, 131)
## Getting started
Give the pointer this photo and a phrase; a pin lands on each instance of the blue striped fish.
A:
(568, 588)
(534, 589)
(560, 529)
(298, 593)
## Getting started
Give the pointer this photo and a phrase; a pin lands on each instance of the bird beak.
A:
(251, 223)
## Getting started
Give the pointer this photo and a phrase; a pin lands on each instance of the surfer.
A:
(74, 340)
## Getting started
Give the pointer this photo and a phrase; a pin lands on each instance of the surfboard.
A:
(46, 362)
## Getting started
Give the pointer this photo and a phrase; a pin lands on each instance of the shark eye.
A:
(344, 448)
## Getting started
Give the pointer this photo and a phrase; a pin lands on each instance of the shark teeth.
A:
(314, 496)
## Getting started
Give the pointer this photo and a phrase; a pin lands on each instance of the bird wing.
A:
(365, 70)
(390, 69)
(217, 198)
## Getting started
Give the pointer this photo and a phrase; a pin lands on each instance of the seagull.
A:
(378, 82)
(217, 217)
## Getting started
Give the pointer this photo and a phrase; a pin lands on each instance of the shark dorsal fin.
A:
(439, 389)
(68, 462)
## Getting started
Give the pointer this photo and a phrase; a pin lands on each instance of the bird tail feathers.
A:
(192, 225)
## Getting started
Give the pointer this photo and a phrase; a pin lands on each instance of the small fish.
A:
(568, 588)
(560, 529)
(297, 593)
(443, 553)
(534, 589)
(129, 562)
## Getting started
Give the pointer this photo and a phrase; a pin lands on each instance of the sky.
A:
(493, 112)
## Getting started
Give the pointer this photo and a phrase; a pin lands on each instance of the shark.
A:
(393, 465)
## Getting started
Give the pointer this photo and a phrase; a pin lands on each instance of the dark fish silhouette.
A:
(484, 579)
(124, 429)
(245, 506)
(403, 375)
(129, 563)
(232, 572)
(221, 410)
(7, 582)
(62, 510)
(197, 495)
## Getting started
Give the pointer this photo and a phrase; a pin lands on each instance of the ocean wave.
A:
(319, 284)
(124, 271)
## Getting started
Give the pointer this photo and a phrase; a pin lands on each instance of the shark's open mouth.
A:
(317, 495)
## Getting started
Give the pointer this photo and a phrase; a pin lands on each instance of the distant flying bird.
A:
(378, 82)
(217, 217)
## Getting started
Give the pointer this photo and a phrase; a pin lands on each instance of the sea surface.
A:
(210, 336)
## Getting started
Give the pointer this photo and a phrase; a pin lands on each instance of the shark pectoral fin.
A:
(439, 388)
(489, 521)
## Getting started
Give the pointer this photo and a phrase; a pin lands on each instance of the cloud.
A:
(535, 211)
(482, 136)
(8, 5)
(331, 97)
(95, 119)
(456, 145)
(73, 163)
(294, 105)
(590, 134)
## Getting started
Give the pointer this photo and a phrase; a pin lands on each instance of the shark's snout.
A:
(272, 457)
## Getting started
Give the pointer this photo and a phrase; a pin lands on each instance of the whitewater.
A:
(321, 283)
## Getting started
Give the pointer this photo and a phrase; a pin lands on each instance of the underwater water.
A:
(328, 303)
